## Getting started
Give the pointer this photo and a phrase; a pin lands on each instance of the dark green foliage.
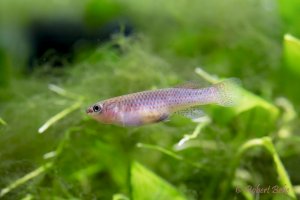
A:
(75, 157)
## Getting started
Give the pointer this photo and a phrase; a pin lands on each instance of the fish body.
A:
(157, 105)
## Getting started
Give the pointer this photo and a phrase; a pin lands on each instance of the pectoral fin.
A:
(164, 117)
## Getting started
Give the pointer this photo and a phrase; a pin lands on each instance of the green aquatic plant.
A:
(229, 150)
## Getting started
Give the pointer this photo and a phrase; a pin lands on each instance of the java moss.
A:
(79, 158)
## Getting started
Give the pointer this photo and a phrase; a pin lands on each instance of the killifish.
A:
(153, 106)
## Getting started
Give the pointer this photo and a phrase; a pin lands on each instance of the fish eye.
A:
(97, 108)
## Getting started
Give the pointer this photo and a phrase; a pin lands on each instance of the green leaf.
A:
(148, 186)
(292, 53)
(2, 122)
(290, 71)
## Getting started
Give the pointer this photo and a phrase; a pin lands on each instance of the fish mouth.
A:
(89, 110)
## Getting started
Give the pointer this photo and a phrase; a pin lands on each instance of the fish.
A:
(153, 106)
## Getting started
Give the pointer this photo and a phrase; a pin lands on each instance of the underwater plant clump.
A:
(50, 147)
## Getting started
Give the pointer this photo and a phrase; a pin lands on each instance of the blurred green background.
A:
(50, 149)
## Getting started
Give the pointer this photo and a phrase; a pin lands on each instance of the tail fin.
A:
(228, 92)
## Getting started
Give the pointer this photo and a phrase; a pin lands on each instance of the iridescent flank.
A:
(157, 105)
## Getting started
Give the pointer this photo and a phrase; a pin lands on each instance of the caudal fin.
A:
(228, 92)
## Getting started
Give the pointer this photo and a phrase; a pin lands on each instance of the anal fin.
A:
(192, 113)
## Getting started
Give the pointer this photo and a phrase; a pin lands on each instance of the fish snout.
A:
(89, 110)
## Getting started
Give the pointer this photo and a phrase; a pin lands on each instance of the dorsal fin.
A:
(189, 85)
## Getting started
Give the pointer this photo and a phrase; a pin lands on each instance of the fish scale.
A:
(157, 105)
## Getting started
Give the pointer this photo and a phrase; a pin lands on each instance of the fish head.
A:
(101, 112)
